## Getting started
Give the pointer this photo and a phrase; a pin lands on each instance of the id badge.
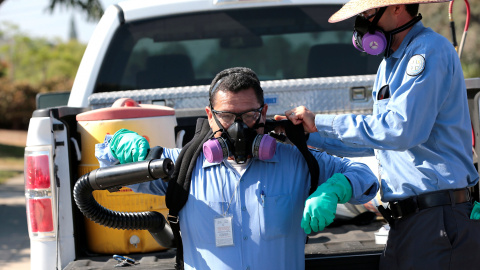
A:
(223, 231)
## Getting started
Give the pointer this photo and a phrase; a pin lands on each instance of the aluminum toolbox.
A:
(333, 95)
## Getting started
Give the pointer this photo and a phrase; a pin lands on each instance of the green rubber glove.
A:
(127, 146)
(321, 206)
(475, 211)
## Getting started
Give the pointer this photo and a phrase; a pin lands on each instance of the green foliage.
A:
(38, 60)
(18, 100)
(11, 161)
(11, 152)
(17, 104)
(3, 68)
(5, 175)
(29, 66)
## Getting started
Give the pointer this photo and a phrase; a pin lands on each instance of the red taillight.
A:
(40, 197)
(37, 172)
(40, 213)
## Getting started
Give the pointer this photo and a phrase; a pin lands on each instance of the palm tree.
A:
(93, 8)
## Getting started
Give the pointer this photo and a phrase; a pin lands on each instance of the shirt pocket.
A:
(201, 220)
(275, 216)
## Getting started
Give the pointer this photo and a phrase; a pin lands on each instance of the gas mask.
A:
(241, 141)
(369, 38)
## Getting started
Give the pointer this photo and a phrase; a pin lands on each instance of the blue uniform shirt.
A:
(422, 131)
(266, 235)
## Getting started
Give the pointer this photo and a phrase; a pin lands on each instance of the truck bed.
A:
(324, 250)
(344, 246)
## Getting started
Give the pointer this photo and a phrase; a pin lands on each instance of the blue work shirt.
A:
(266, 234)
(422, 132)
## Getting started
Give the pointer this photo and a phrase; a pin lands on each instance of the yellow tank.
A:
(155, 123)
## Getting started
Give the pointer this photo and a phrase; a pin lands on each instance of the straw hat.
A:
(354, 7)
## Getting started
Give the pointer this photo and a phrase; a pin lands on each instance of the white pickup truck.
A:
(166, 53)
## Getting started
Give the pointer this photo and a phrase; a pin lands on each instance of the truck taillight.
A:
(40, 202)
(37, 172)
(40, 215)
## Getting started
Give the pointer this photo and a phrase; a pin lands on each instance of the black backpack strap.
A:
(297, 136)
(179, 185)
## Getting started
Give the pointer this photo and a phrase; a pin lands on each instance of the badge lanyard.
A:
(223, 224)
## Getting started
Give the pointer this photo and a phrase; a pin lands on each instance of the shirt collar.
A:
(416, 28)
(206, 164)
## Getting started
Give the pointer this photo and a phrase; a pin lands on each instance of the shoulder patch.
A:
(416, 65)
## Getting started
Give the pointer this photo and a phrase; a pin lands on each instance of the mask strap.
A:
(213, 90)
(402, 28)
(257, 124)
(407, 25)
(222, 129)
(213, 134)
(218, 123)
(372, 27)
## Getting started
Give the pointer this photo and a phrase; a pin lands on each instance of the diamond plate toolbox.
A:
(332, 95)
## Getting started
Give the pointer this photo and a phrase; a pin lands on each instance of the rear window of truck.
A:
(277, 43)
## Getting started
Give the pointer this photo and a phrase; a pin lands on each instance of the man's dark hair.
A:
(235, 80)
(412, 9)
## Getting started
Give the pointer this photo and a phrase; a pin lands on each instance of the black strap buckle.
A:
(172, 219)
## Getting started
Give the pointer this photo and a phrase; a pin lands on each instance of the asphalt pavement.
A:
(14, 241)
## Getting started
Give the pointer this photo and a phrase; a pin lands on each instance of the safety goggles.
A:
(248, 117)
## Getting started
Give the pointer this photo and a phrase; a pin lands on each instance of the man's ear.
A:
(264, 111)
(397, 9)
(208, 110)
(211, 121)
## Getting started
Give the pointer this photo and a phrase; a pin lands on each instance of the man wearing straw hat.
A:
(420, 132)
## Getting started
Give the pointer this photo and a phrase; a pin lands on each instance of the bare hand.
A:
(300, 115)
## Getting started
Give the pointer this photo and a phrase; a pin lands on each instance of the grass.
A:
(11, 161)
(4, 175)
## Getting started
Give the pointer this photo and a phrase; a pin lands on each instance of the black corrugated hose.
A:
(152, 221)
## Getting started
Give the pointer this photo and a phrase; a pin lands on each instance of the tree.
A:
(29, 66)
(93, 8)
(38, 60)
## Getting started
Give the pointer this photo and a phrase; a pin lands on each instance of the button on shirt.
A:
(422, 133)
(266, 229)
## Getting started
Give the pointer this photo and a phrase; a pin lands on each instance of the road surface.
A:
(14, 241)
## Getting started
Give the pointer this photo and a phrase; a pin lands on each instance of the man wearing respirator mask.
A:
(420, 132)
(247, 192)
